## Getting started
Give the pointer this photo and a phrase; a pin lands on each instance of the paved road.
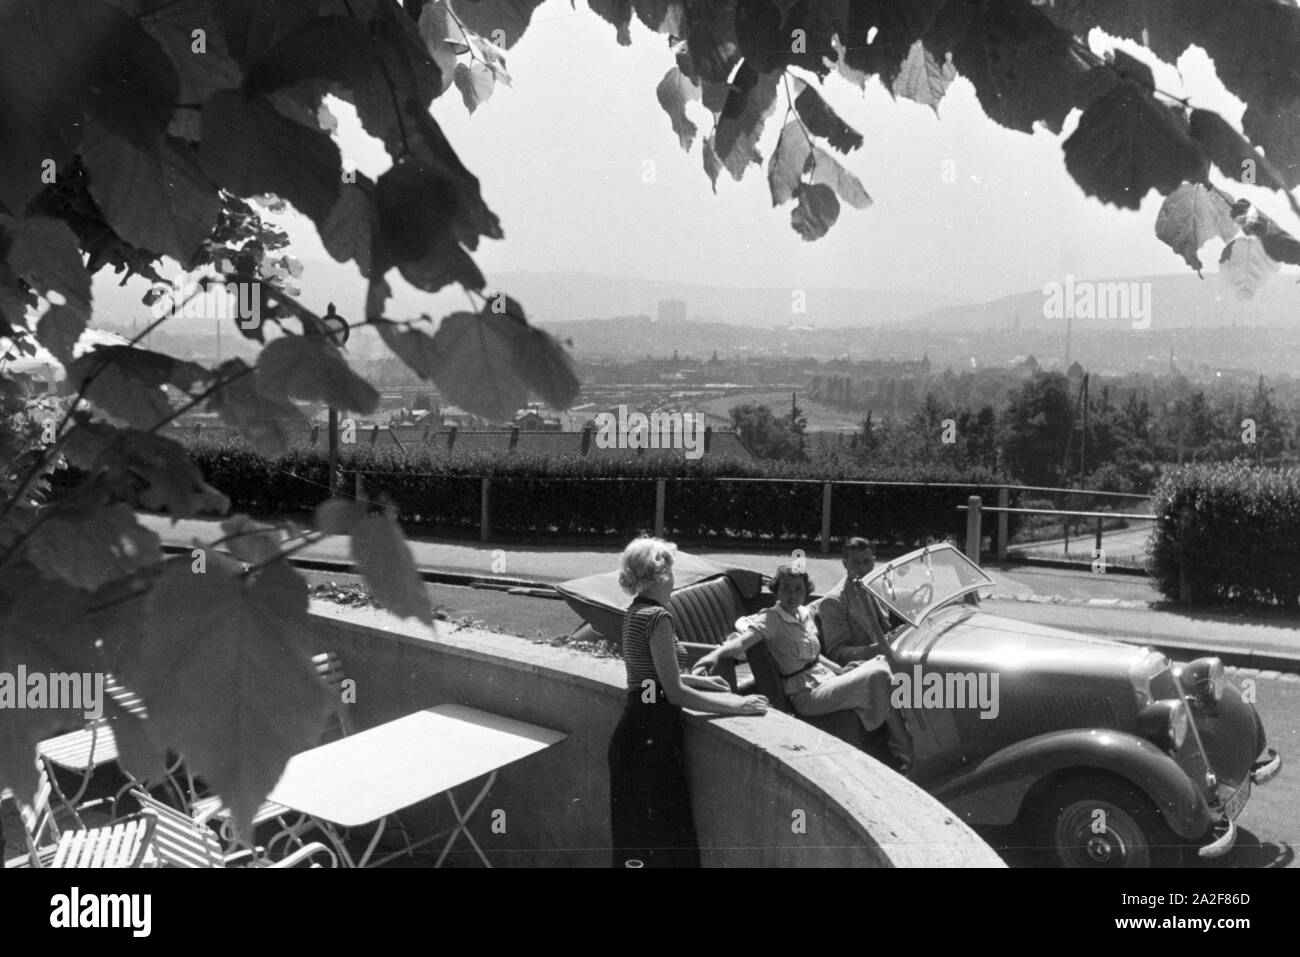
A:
(1127, 545)
(1269, 826)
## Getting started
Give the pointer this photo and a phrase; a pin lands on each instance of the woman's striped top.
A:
(638, 624)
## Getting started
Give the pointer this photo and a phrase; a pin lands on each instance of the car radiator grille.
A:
(1032, 715)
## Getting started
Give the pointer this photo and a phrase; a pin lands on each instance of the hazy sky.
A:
(560, 157)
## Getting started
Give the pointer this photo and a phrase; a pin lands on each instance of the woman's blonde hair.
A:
(645, 562)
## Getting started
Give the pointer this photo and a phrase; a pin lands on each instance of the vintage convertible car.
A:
(1100, 753)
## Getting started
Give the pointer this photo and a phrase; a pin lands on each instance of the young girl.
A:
(815, 685)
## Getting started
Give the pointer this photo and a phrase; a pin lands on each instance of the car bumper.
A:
(1266, 768)
(1224, 837)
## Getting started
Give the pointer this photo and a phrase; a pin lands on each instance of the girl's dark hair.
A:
(788, 571)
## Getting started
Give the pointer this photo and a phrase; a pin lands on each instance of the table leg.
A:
(374, 842)
(463, 819)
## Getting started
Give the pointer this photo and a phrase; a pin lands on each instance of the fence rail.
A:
(828, 497)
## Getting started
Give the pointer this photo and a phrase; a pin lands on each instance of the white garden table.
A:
(371, 775)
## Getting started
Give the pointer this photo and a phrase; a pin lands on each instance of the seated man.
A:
(853, 624)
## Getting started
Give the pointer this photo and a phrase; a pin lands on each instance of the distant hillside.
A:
(556, 297)
(1177, 301)
(572, 296)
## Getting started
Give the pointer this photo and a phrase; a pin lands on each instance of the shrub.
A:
(534, 494)
(1232, 530)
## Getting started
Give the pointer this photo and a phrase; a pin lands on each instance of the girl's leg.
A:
(865, 689)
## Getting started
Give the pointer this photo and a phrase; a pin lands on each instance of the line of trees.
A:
(1037, 434)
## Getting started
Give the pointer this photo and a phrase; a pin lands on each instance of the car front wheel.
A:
(1096, 821)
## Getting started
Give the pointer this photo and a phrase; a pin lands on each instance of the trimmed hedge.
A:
(544, 495)
(1240, 540)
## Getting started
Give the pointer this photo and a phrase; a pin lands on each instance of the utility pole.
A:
(1083, 441)
(339, 335)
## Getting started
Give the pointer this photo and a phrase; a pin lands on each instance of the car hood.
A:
(965, 639)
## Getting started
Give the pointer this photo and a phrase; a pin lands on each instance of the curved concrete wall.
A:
(768, 791)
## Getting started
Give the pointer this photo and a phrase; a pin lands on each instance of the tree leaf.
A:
(155, 473)
(546, 368)
(201, 72)
(310, 367)
(414, 348)
(661, 16)
(1253, 53)
(348, 231)
(479, 371)
(87, 547)
(437, 30)
(674, 91)
(786, 165)
(1246, 266)
(618, 13)
(475, 83)
(1023, 66)
(712, 165)
(250, 149)
(60, 329)
(117, 388)
(225, 669)
(1282, 246)
(250, 541)
(923, 78)
(751, 101)
(415, 206)
(42, 624)
(1190, 217)
(501, 21)
(1229, 151)
(338, 516)
(1126, 144)
(45, 253)
(267, 423)
(156, 198)
(827, 170)
(1277, 130)
(822, 121)
(386, 563)
(817, 211)
(131, 83)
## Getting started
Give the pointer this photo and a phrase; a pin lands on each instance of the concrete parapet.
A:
(768, 791)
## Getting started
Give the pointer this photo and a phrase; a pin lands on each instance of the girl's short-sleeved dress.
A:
(650, 803)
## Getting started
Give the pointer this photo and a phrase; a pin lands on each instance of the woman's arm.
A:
(664, 652)
(835, 667)
(733, 647)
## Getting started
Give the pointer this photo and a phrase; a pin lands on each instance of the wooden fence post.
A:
(826, 517)
(973, 528)
(659, 508)
(1004, 501)
(1185, 519)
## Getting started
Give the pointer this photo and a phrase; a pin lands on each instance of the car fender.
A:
(993, 792)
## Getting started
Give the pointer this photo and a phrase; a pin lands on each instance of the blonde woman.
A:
(650, 806)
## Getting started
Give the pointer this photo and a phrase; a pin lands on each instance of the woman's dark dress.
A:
(650, 805)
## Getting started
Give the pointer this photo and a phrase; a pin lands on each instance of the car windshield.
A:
(924, 580)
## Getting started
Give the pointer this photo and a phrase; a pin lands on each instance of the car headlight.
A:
(1165, 722)
(1204, 680)
(1143, 671)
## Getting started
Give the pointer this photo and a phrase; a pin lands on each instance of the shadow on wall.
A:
(769, 791)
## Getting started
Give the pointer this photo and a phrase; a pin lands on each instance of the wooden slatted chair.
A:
(123, 843)
(86, 750)
(181, 841)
